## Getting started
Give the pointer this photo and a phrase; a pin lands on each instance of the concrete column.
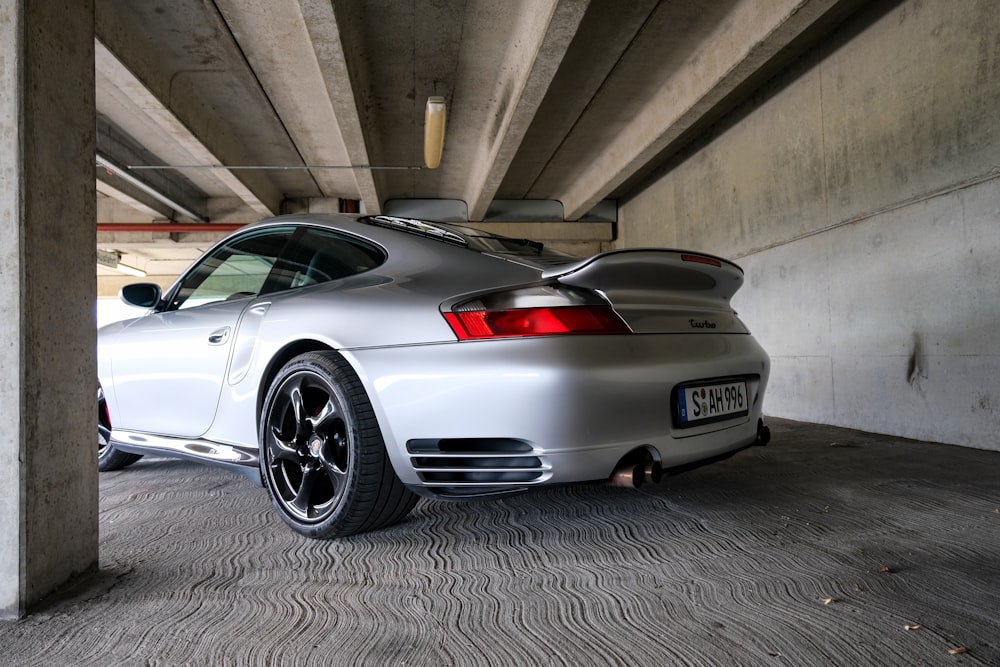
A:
(48, 467)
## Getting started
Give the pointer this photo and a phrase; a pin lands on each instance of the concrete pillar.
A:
(48, 467)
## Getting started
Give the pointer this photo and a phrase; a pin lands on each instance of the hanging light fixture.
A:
(434, 123)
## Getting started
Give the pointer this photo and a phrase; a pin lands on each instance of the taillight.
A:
(534, 310)
(543, 321)
(701, 259)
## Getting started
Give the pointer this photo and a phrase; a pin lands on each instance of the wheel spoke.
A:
(298, 409)
(279, 449)
(310, 475)
(283, 445)
(321, 421)
(337, 475)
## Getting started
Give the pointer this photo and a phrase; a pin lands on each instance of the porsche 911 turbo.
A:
(352, 364)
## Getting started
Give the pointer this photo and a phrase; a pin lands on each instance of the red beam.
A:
(166, 227)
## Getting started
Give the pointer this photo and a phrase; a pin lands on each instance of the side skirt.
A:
(244, 460)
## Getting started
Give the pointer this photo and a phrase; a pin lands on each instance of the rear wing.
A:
(661, 291)
(647, 269)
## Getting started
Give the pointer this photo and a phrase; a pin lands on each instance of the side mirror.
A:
(142, 295)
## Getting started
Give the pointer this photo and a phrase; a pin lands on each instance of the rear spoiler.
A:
(646, 269)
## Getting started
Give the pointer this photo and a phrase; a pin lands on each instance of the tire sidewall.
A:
(325, 370)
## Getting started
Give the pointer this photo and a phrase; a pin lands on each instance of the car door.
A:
(169, 366)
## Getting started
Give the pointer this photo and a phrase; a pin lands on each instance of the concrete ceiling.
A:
(238, 109)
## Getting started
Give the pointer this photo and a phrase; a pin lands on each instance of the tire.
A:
(322, 456)
(109, 458)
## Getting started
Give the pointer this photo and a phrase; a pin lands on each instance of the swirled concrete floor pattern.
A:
(828, 547)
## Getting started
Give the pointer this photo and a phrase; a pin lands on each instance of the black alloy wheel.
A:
(108, 457)
(323, 459)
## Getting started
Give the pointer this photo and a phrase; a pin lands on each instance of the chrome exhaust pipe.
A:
(653, 472)
(634, 475)
(628, 476)
(763, 434)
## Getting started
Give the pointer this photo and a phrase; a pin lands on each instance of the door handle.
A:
(219, 336)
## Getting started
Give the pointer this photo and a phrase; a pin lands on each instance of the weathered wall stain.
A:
(916, 367)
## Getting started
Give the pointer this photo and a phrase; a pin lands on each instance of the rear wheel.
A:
(323, 459)
(109, 458)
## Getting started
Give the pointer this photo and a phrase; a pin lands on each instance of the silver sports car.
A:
(351, 364)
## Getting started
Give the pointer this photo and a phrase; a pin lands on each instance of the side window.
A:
(235, 270)
(319, 256)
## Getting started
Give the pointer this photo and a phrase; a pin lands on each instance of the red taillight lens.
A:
(701, 259)
(551, 321)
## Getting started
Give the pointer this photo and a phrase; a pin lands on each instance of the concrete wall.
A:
(860, 191)
(48, 470)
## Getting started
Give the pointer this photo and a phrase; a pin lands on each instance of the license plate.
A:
(699, 404)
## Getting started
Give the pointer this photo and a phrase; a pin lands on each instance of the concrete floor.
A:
(828, 547)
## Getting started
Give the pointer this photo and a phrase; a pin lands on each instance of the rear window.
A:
(523, 251)
(474, 239)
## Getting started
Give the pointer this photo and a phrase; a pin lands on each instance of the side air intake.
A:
(464, 467)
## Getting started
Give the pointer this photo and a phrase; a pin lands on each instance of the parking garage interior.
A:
(845, 153)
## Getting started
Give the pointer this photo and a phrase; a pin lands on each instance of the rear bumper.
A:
(492, 417)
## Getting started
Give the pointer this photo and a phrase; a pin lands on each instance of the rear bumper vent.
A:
(467, 467)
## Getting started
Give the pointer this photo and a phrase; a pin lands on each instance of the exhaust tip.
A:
(763, 434)
(628, 476)
(634, 471)
(653, 472)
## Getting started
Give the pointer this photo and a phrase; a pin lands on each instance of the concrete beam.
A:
(541, 35)
(139, 205)
(581, 75)
(322, 21)
(48, 463)
(753, 33)
(255, 191)
(294, 50)
(169, 190)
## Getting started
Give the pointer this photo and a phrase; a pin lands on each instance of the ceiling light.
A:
(434, 121)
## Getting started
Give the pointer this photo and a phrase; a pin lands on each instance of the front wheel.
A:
(323, 459)
(109, 458)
